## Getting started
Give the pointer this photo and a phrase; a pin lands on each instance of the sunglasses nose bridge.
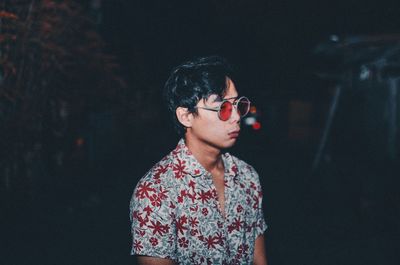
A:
(235, 113)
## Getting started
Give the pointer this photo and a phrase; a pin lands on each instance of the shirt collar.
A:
(195, 169)
(231, 168)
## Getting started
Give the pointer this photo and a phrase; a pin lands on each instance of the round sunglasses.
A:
(224, 110)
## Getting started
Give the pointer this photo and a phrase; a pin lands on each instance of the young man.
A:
(199, 205)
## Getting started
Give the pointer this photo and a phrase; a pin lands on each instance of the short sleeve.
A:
(260, 224)
(152, 220)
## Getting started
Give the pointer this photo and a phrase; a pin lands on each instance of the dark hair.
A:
(193, 81)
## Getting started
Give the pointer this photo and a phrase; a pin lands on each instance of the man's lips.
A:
(234, 134)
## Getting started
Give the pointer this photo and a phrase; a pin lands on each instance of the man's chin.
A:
(230, 143)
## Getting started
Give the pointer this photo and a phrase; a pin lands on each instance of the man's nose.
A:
(235, 117)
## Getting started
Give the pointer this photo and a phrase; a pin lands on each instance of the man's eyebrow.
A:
(219, 99)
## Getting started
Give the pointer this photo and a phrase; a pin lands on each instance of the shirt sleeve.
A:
(260, 225)
(152, 221)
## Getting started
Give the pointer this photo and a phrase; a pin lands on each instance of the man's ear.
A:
(184, 116)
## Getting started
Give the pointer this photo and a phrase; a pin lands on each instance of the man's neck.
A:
(207, 155)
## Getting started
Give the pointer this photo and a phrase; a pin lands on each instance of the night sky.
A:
(270, 42)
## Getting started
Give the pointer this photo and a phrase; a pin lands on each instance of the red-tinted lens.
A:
(225, 111)
(243, 106)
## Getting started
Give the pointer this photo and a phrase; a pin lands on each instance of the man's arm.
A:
(146, 260)
(260, 257)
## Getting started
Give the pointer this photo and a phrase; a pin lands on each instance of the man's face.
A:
(209, 129)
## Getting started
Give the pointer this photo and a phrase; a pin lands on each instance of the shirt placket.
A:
(221, 217)
(227, 216)
(215, 203)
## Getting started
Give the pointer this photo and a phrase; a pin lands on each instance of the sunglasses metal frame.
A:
(217, 109)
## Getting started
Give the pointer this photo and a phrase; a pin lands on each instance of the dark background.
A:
(345, 211)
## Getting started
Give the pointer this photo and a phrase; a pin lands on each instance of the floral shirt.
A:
(175, 212)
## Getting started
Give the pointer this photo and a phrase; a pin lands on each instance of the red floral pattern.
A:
(175, 212)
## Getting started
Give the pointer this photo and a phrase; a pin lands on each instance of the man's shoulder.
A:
(157, 181)
(161, 171)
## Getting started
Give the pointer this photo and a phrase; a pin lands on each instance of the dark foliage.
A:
(53, 71)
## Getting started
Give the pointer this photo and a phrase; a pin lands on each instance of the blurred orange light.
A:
(257, 125)
(253, 109)
(80, 141)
